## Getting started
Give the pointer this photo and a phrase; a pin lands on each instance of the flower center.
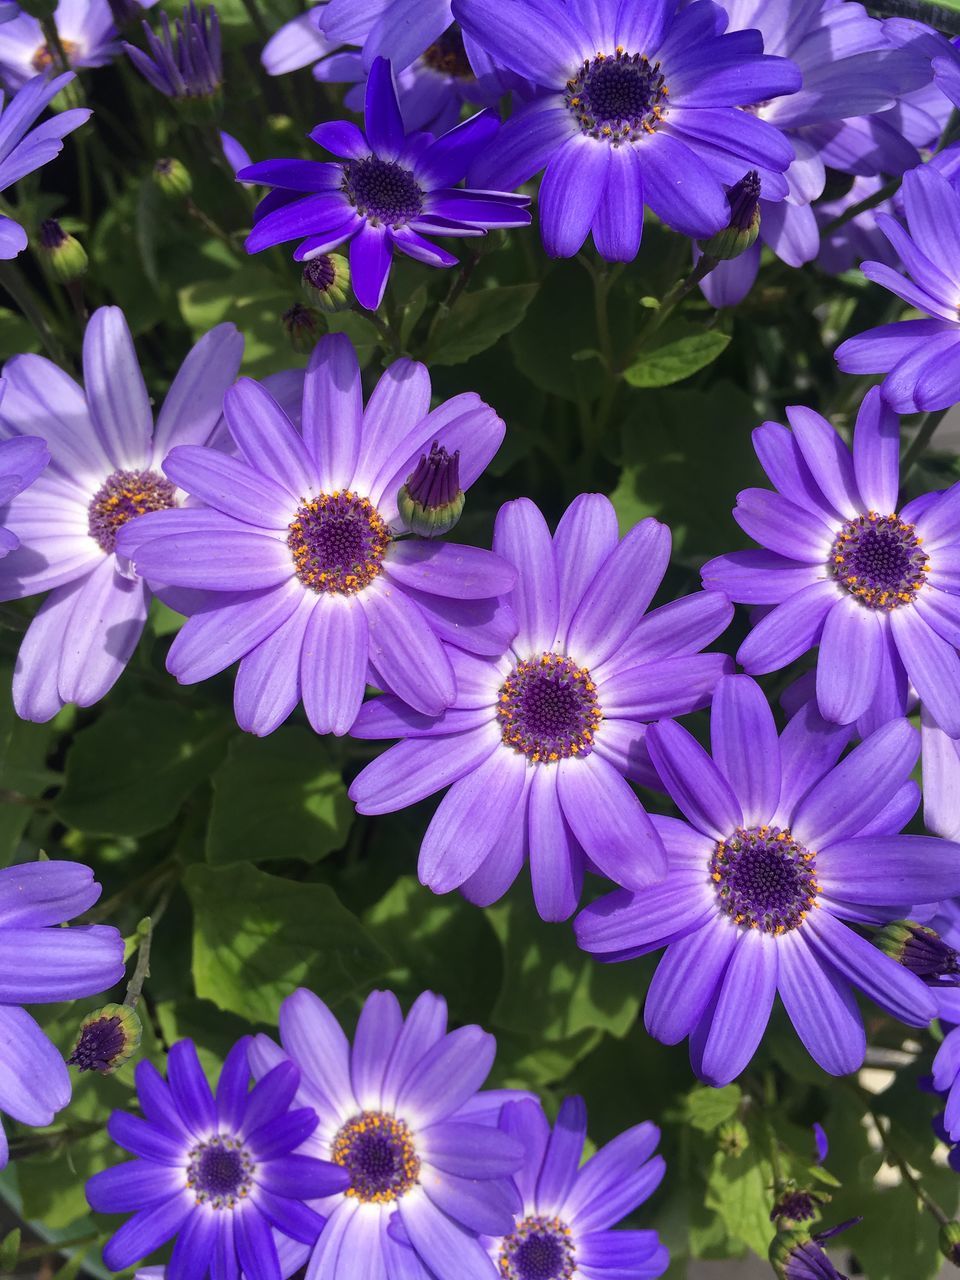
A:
(220, 1172)
(764, 879)
(100, 1043)
(548, 708)
(879, 560)
(377, 1151)
(122, 497)
(539, 1249)
(448, 57)
(44, 57)
(338, 541)
(382, 190)
(619, 97)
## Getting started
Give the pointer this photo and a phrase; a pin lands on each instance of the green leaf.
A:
(556, 328)
(739, 1190)
(708, 1108)
(254, 301)
(686, 351)
(10, 1249)
(23, 769)
(132, 769)
(278, 797)
(477, 321)
(258, 937)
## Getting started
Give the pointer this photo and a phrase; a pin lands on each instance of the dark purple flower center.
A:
(797, 1206)
(377, 1151)
(320, 272)
(548, 709)
(764, 879)
(100, 1043)
(122, 497)
(539, 1249)
(619, 97)
(879, 560)
(448, 57)
(338, 541)
(220, 1172)
(382, 191)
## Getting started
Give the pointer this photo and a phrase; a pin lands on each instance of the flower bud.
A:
(303, 326)
(797, 1205)
(108, 1038)
(797, 1255)
(732, 1138)
(950, 1242)
(65, 255)
(431, 501)
(921, 950)
(172, 178)
(744, 225)
(326, 281)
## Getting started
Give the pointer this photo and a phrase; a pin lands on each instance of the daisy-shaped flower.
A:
(638, 105)
(218, 1172)
(389, 192)
(104, 472)
(564, 1229)
(87, 33)
(43, 963)
(541, 739)
(429, 1171)
(873, 584)
(779, 845)
(301, 547)
(921, 358)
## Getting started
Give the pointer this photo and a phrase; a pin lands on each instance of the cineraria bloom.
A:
(184, 63)
(388, 192)
(400, 1112)
(779, 844)
(921, 358)
(563, 1230)
(637, 104)
(43, 963)
(22, 149)
(104, 472)
(87, 33)
(871, 583)
(301, 549)
(220, 1172)
(541, 739)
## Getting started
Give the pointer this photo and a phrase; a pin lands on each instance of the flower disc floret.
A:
(123, 496)
(382, 191)
(378, 1152)
(338, 541)
(44, 58)
(548, 709)
(618, 97)
(764, 879)
(220, 1172)
(880, 560)
(541, 1248)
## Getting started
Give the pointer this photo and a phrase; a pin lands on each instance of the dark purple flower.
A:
(638, 104)
(389, 192)
(873, 584)
(186, 62)
(219, 1173)
(42, 963)
(780, 845)
(540, 739)
(301, 549)
(429, 1171)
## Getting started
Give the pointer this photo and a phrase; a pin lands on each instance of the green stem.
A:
(168, 869)
(918, 444)
(935, 15)
(55, 1246)
(55, 44)
(12, 279)
(899, 1162)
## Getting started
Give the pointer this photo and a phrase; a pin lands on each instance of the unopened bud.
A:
(950, 1242)
(744, 225)
(326, 281)
(732, 1138)
(431, 501)
(65, 255)
(303, 326)
(921, 950)
(108, 1038)
(172, 178)
(797, 1205)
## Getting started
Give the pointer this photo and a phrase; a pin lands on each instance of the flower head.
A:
(87, 33)
(21, 461)
(104, 473)
(326, 281)
(426, 1169)
(42, 963)
(302, 551)
(185, 63)
(779, 845)
(798, 1254)
(541, 738)
(218, 1172)
(388, 192)
(564, 1228)
(871, 582)
(108, 1038)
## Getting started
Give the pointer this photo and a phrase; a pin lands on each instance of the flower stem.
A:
(918, 444)
(12, 279)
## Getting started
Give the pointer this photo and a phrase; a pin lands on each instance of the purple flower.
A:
(798, 1254)
(845, 247)
(400, 1111)
(184, 63)
(87, 33)
(779, 845)
(217, 1172)
(23, 150)
(299, 548)
(638, 105)
(42, 963)
(564, 1227)
(21, 461)
(941, 779)
(541, 738)
(104, 472)
(921, 358)
(390, 191)
(872, 584)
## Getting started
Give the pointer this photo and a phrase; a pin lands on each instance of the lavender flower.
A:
(219, 1173)
(21, 461)
(87, 34)
(541, 739)
(846, 246)
(564, 1227)
(941, 779)
(400, 1111)
(104, 472)
(389, 192)
(299, 549)
(637, 104)
(872, 584)
(42, 963)
(779, 845)
(186, 63)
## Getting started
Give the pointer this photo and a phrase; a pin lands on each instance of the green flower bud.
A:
(744, 225)
(921, 950)
(326, 281)
(732, 1137)
(172, 178)
(108, 1038)
(431, 501)
(65, 256)
(303, 326)
(950, 1242)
